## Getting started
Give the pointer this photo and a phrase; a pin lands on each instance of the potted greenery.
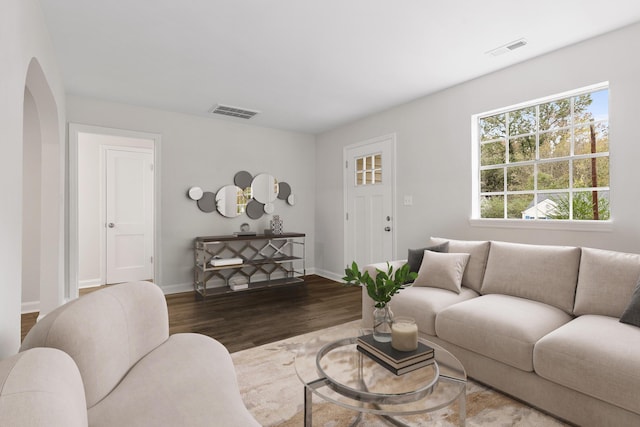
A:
(381, 288)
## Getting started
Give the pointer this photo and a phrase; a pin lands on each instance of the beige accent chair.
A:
(128, 371)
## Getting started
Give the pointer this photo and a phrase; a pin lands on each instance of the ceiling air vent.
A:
(508, 47)
(227, 110)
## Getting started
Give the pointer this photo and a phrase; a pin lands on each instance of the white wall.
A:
(434, 151)
(91, 244)
(23, 36)
(207, 152)
(31, 206)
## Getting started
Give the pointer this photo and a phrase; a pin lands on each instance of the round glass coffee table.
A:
(338, 373)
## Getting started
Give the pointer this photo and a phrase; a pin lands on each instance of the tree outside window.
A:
(547, 160)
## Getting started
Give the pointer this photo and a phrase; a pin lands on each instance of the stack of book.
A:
(223, 262)
(398, 362)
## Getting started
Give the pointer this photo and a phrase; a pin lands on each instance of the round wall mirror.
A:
(207, 203)
(242, 179)
(269, 208)
(195, 193)
(264, 188)
(254, 209)
(230, 201)
(284, 190)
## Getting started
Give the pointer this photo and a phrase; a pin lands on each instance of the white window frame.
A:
(564, 224)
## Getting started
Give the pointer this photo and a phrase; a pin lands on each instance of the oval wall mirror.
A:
(230, 201)
(264, 188)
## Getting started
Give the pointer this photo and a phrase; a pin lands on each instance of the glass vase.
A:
(382, 320)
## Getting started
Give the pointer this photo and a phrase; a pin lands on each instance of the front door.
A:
(129, 215)
(369, 195)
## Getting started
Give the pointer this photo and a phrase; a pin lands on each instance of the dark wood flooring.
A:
(247, 319)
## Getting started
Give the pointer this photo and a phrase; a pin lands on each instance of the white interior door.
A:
(129, 215)
(369, 195)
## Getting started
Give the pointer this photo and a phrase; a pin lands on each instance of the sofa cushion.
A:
(501, 327)
(187, 381)
(631, 314)
(606, 282)
(41, 387)
(442, 270)
(547, 274)
(478, 251)
(423, 304)
(414, 258)
(595, 355)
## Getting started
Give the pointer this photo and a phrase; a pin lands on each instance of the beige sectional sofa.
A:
(540, 323)
(107, 359)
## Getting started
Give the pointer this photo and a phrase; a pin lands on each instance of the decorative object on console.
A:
(223, 262)
(245, 230)
(385, 285)
(238, 283)
(276, 225)
(253, 195)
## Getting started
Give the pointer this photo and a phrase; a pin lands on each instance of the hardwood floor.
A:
(245, 320)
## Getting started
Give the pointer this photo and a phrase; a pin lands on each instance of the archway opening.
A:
(43, 197)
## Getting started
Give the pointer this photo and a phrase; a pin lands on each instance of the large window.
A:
(546, 160)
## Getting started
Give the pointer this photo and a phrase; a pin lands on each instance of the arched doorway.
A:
(43, 196)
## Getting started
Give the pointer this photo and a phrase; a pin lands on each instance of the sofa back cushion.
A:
(105, 333)
(478, 252)
(547, 274)
(606, 282)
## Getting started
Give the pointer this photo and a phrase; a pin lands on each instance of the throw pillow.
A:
(442, 270)
(414, 259)
(631, 314)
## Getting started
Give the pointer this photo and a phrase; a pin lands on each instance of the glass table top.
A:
(339, 373)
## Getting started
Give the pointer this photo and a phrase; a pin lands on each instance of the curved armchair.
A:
(133, 372)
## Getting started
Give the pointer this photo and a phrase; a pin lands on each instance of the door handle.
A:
(387, 229)
(111, 225)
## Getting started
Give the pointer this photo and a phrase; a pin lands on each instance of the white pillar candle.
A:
(404, 334)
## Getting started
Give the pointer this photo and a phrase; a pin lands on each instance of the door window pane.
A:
(368, 170)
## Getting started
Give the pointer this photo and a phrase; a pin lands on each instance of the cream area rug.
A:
(273, 393)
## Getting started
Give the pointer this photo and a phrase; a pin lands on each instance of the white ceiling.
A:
(307, 65)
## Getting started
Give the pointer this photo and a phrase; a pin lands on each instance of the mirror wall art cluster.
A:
(253, 195)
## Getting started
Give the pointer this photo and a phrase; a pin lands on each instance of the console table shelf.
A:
(267, 261)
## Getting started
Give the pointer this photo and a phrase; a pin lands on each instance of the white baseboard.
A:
(177, 288)
(30, 307)
(329, 275)
(89, 283)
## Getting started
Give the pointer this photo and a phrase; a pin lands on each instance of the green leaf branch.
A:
(384, 286)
